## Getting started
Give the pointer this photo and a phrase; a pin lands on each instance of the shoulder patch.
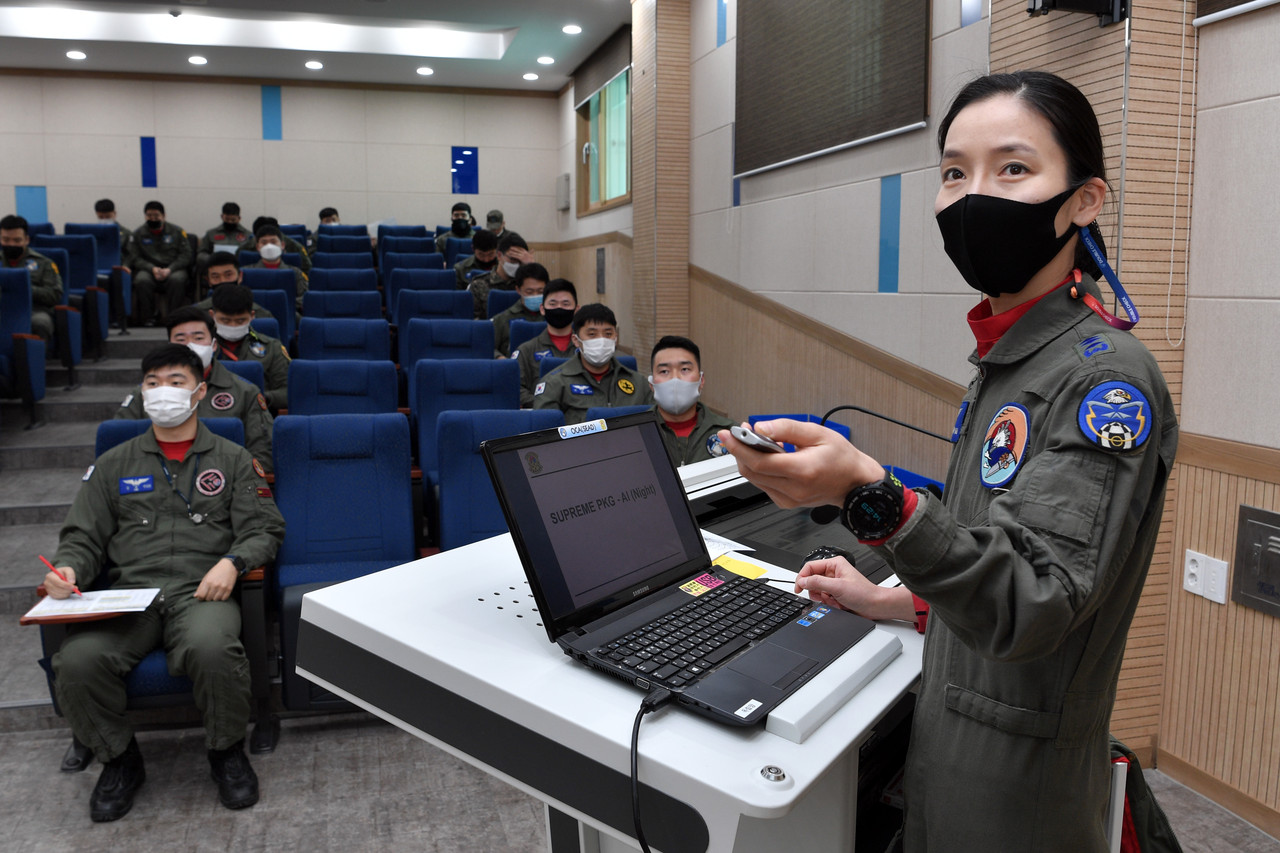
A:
(258, 469)
(88, 473)
(1095, 345)
(262, 402)
(126, 401)
(715, 446)
(1004, 446)
(1115, 416)
(542, 386)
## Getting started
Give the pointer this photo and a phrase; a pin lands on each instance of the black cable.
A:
(652, 702)
(883, 418)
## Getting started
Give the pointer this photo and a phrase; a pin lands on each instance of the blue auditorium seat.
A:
(344, 338)
(456, 384)
(439, 304)
(524, 330)
(22, 354)
(420, 245)
(328, 466)
(282, 308)
(443, 339)
(249, 256)
(115, 280)
(362, 304)
(341, 230)
(411, 261)
(342, 386)
(337, 279)
(469, 509)
(342, 261)
(266, 326)
(343, 242)
(34, 228)
(68, 332)
(77, 259)
(248, 370)
(296, 231)
(455, 247)
(415, 279)
(501, 300)
(278, 279)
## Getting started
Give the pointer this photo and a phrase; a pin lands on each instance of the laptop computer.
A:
(624, 584)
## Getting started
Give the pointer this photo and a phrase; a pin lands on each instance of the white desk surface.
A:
(465, 620)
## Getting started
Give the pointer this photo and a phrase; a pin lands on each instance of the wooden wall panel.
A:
(576, 261)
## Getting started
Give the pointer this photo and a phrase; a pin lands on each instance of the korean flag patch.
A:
(1115, 416)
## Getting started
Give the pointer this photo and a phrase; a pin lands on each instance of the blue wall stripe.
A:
(272, 113)
(722, 21)
(148, 161)
(31, 203)
(970, 12)
(890, 216)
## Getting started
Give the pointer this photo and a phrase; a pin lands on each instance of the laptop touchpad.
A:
(773, 665)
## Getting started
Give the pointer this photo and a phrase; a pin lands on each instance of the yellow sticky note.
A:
(738, 567)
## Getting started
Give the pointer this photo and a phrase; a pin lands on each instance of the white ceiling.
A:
(364, 41)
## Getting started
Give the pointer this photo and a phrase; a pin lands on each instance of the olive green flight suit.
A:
(502, 325)
(573, 390)
(529, 355)
(46, 289)
(228, 396)
(129, 520)
(1032, 563)
(273, 356)
(219, 239)
(701, 444)
(167, 248)
(299, 278)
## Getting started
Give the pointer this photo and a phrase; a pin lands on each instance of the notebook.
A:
(624, 583)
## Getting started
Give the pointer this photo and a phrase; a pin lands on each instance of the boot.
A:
(121, 778)
(237, 783)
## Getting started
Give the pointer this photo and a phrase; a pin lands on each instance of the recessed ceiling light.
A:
(315, 65)
(531, 76)
(77, 54)
(197, 60)
(572, 29)
(545, 60)
(426, 71)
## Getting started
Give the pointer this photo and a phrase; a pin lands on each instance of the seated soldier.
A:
(689, 429)
(236, 341)
(559, 302)
(105, 210)
(290, 244)
(228, 395)
(328, 216)
(591, 377)
(161, 265)
(483, 259)
(270, 245)
(461, 226)
(186, 511)
(230, 236)
(512, 252)
(495, 223)
(531, 280)
(46, 282)
(224, 268)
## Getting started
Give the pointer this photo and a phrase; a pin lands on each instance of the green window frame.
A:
(604, 137)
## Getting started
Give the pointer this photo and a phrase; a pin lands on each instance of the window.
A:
(604, 143)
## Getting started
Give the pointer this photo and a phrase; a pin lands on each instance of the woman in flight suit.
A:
(1033, 561)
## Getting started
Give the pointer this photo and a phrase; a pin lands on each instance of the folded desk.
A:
(450, 649)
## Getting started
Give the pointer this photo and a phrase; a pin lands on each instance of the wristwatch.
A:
(238, 562)
(873, 511)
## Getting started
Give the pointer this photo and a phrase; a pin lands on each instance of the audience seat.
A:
(344, 338)
(362, 304)
(442, 385)
(341, 230)
(405, 245)
(501, 300)
(524, 330)
(248, 370)
(343, 242)
(112, 276)
(342, 484)
(386, 232)
(283, 309)
(68, 331)
(405, 279)
(469, 509)
(34, 228)
(411, 260)
(77, 259)
(249, 256)
(342, 261)
(266, 326)
(280, 279)
(296, 231)
(441, 304)
(444, 339)
(338, 279)
(21, 353)
(342, 386)
(606, 412)
(453, 248)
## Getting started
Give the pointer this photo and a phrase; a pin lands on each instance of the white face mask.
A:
(232, 333)
(676, 395)
(205, 353)
(168, 406)
(510, 268)
(598, 351)
(271, 252)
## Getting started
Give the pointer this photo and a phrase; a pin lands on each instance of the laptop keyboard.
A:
(678, 648)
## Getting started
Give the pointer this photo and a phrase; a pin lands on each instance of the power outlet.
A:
(1193, 571)
(1215, 580)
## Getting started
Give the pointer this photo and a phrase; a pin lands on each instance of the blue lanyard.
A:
(1114, 280)
(195, 470)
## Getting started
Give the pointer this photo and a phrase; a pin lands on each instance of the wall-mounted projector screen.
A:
(816, 76)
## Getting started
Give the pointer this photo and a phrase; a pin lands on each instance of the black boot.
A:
(121, 777)
(237, 783)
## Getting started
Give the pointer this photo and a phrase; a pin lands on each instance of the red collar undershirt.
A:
(175, 451)
(684, 429)
(988, 328)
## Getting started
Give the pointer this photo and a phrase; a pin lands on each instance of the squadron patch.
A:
(625, 386)
(1115, 416)
(258, 349)
(258, 469)
(210, 482)
(223, 400)
(1004, 446)
(715, 446)
(262, 402)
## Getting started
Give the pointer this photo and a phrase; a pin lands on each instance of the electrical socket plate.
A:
(1193, 572)
(1215, 580)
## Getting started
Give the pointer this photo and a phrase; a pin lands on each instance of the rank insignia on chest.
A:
(258, 349)
(222, 401)
(1005, 444)
(1115, 416)
(134, 485)
(625, 386)
(582, 390)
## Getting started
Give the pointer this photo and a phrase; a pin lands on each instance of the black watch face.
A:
(874, 513)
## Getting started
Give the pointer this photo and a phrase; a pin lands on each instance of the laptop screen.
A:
(599, 516)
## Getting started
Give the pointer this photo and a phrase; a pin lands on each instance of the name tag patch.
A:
(582, 390)
(134, 485)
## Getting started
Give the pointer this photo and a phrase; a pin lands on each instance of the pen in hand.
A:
(74, 588)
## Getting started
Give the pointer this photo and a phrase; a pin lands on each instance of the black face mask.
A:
(12, 253)
(461, 228)
(485, 265)
(558, 318)
(229, 226)
(999, 244)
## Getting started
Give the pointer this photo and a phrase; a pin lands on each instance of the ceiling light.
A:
(315, 65)
(197, 60)
(571, 29)
(531, 76)
(426, 71)
(545, 60)
(77, 54)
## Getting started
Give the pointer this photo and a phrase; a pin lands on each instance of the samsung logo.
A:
(639, 592)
